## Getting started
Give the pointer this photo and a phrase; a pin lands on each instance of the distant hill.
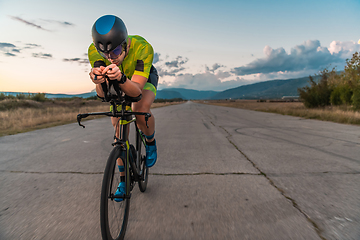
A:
(54, 95)
(168, 94)
(83, 95)
(266, 90)
(183, 93)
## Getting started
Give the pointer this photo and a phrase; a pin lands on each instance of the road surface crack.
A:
(65, 172)
(204, 173)
(290, 175)
(155, 174)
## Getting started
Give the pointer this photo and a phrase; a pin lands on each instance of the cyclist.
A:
(114, 52)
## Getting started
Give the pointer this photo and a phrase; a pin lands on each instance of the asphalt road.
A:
(222, 173)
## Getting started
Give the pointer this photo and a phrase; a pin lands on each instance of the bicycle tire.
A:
(114, 215)
(141, 156)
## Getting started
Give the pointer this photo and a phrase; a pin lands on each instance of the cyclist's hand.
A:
(113, 72)
(98, 73)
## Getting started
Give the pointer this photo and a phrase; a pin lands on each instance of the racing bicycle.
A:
(113, 214)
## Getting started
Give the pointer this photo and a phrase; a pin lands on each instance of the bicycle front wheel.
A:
(114, 215)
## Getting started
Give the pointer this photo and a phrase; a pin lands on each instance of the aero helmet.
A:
(109, 36)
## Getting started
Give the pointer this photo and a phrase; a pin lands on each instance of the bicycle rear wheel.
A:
(114, 215)
(141, 157)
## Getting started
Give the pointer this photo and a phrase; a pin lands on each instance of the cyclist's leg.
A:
(115, 123)
(144, 105)
(148, 97)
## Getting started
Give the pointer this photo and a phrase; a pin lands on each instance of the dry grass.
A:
(341, 114)
(29, 115)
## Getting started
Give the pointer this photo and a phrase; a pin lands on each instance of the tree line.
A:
(334, 88)
(39, 97)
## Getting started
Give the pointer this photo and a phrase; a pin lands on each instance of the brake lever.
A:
(147, 115)
(79, 117)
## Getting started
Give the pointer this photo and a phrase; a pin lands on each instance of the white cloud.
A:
(214, 67)
(309, 55)
(177, 63)
(344, 49)
(203, 81)
(42, 55)
(303, 60)
(222, 75)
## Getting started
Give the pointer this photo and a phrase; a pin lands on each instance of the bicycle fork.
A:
(124, 156)
(132, 174)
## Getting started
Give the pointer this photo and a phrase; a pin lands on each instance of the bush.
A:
(12, 104)
(68, 99)
(345, 94)
(93, 98)
(356, 99)
(337, 89)
(318, 94)
(352, 76)
(335, 97)
(39, 97)
(341, 93)
(2, 96)
(22, 96)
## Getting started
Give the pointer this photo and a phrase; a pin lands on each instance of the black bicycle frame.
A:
(125, 118)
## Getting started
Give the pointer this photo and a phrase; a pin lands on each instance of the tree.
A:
(318, 93)
(337, 89)
(352, 75)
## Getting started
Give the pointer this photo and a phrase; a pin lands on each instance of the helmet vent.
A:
(109, 47)
(101, 47)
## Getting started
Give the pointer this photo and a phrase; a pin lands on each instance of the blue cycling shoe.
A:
(120, 192)
(151, 155)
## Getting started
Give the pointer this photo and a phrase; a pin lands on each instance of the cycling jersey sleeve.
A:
(144, 61)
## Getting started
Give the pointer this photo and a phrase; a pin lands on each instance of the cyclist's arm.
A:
(143, 66)
(98, 80)
(96, 60)
(131, 88)
(134, 87)
(144, 58)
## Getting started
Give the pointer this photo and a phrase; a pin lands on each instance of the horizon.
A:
(71, 94)
(199, 45)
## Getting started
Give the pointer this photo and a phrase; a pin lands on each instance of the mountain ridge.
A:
(266, 90)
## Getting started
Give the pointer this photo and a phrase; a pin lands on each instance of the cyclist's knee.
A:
(141, 107)
(144, 104)
(140, 120)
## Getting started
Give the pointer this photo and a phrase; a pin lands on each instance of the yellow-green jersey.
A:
(137, 62)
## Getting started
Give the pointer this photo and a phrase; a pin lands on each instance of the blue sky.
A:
(203, 45)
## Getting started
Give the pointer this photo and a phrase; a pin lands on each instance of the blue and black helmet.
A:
(108, 33)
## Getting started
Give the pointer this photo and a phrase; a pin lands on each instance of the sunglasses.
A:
(114, 53)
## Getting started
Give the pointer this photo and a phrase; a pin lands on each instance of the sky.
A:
(198, 44)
